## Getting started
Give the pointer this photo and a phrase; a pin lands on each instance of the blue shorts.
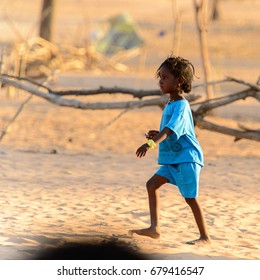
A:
(184, 175)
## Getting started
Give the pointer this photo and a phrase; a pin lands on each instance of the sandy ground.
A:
(72, 175)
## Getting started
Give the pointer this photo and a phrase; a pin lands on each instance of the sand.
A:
(72, 175)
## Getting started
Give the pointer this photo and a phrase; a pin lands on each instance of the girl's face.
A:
(167, 82)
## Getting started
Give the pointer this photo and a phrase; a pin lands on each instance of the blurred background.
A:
(155, 28)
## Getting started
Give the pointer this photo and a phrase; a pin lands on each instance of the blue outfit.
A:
(180, 154)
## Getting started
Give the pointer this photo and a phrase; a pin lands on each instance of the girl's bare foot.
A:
(150, 232)
(200, 241)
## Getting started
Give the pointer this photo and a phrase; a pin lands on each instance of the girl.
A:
(180, 154)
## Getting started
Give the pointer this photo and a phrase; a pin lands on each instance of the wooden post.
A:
(177, 27)
(1, 65)
(215, 10)
(201, 22)
(46, 26)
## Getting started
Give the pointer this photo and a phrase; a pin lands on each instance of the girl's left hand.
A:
(141, 151)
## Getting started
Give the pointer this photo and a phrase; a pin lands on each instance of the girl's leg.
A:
(200, 221)
(152, 186)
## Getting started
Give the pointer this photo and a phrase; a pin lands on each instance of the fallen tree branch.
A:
(252, 86)
(104, 90)
(101, 90)
(256, 131)
(59, 100)
(198, 114)
(251, 135)
(208, 105)
(19, 78)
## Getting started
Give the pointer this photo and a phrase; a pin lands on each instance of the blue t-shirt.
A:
(182, 145)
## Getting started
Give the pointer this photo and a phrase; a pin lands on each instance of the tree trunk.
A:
(46, 25)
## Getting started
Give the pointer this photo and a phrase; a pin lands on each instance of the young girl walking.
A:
(180, 154)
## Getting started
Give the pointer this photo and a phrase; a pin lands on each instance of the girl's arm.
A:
(162, 135)
(141, 151)
(151, 133)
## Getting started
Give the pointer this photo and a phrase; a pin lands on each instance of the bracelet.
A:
(151, 143)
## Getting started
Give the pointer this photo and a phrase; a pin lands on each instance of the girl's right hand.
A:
(151, 133)
(141, 151)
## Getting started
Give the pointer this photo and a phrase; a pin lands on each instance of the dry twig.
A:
(7, 127)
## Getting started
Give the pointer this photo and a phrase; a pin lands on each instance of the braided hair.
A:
(179, 66)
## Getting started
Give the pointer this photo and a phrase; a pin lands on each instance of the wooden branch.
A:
(59, 100)
(251, 135)
(252, 86)
(243, 127)
(101, 90)
(19, 78)
(198, 115)
(211, 83)
(113, 90)
(108, 90)
(207, 106)
(257, 131)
